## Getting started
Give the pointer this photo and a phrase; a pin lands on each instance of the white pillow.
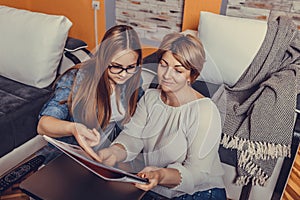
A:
(31, 45)
(230, 43)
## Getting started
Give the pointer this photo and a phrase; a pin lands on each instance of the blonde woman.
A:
(177, 129)
(89, 100)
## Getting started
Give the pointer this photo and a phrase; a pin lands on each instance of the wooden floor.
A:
(292, 188)
(14, 193)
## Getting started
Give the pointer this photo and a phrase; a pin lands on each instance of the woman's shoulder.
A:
(152, 91)
(202, 105)
(151, 94)
(67, 79)
(70, 73)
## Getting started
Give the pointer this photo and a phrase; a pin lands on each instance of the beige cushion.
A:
(31, 45)
(230, 43)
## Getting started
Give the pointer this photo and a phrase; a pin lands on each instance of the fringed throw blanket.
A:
(258, 112)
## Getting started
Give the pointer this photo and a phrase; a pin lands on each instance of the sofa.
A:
(231, 44)
(34, 49)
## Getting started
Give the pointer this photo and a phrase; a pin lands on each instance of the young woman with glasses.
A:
(90, 99)
(176, 128)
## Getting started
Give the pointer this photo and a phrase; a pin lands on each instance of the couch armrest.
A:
(19, 154)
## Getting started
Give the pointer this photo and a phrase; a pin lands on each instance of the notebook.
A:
(64, 179)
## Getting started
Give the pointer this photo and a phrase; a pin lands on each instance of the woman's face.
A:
(172, 76)
(122, 67)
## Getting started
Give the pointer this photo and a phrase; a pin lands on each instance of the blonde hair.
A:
(90, 104)
(187, 49)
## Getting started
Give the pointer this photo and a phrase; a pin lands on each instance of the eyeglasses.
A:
(116, 69)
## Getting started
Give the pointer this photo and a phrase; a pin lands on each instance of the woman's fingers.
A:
(110, 162)
(93, 141)
(153, 181)
(148, 175)
(145, 187)
(107, 157)
(87, 148)
(97, 134)
(149, 169)
(92, 137)
(82, 140)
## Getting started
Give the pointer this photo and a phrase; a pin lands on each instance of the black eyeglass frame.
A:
(137, 68)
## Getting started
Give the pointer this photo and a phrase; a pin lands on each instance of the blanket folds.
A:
(258, 111)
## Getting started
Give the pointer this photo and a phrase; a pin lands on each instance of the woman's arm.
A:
(167, 177)
(54, 117)
(55, 120)
(54, 127)
(129, 143)
(131, 138)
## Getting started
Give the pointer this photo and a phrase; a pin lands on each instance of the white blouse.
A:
(185, 138)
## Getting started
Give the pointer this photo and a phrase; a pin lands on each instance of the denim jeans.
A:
(211, 194)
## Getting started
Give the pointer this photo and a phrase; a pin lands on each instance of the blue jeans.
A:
(211, 194)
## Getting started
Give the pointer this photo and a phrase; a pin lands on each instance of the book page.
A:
(103, 171)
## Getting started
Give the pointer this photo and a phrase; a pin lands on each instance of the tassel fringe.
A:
(254, 150)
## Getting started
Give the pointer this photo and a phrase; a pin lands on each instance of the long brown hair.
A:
(90, 102)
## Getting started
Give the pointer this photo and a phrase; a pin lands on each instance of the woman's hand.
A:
(90, 137)
(110, 156)
(153, 174)
(86, 138)
(168, 177)
(107, 157)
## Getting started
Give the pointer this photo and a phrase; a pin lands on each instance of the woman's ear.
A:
(188, 82)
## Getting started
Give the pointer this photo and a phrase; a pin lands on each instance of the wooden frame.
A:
(192, 10)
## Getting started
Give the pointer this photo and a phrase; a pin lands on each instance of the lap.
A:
(211, 194)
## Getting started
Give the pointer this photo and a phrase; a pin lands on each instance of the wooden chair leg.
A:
(246, 189)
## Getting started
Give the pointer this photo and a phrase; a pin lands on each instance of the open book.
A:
(103, 171)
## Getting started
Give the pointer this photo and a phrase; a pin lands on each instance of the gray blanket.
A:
(258, 111)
